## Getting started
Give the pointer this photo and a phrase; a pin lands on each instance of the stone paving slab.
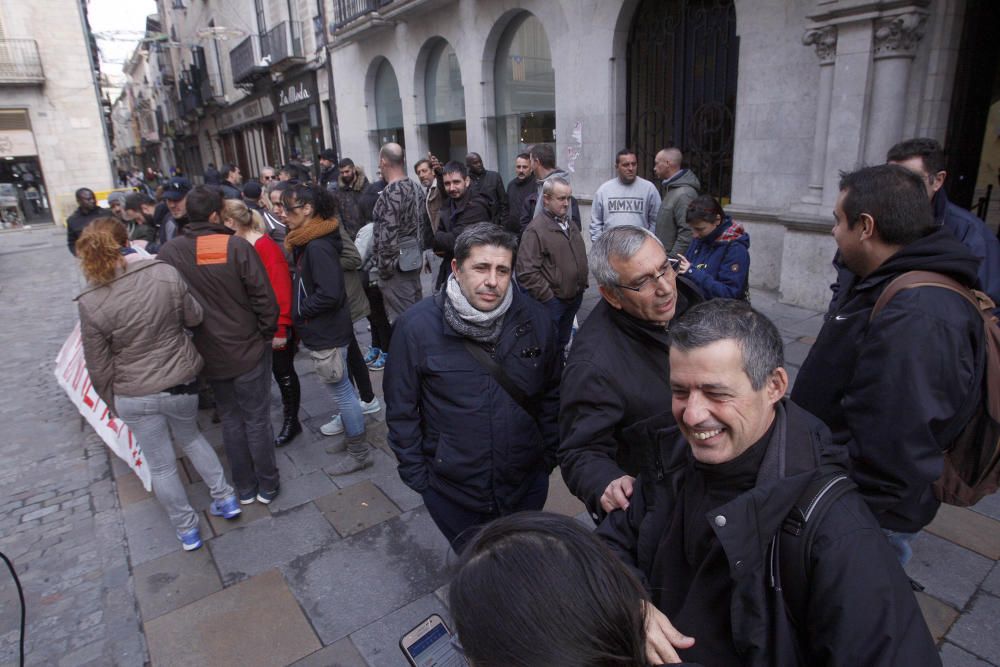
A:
(970, 529)
(300, 490)
(338, 654)
(978, 629)
(250, 513)
(150, 533)
(362, 578)
(989, 506)
(938, 615)
(270, 542)
(378, 642)
(952, 656)
(992, 582)
(947, 571)
(383, 466)
(356, 508)
(560, 500)
(398, 492)
(174, 580)
(227, 628)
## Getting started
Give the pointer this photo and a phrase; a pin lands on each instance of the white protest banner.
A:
(71, 373)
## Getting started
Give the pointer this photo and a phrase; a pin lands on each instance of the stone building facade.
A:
(769, 99)
(52, 134)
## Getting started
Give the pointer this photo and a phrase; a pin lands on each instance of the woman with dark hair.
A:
(718, 260)
(536, 589)
(134, 317)
(248, 225)
(321, 311)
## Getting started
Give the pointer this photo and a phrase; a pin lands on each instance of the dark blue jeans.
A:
(562, 312)
(458, 524)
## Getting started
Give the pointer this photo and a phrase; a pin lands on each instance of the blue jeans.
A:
(347, 400)
(244, 406)
(562, 312)
(900, 543)
(153, 419)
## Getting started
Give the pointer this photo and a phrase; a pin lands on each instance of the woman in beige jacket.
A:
(134, 319)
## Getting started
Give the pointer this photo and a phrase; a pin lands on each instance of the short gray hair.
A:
(484, 233)
(729, 319)
(620, 243)
(549, 184)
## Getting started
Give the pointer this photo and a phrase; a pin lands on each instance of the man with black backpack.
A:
(745, 528)
(897, 386)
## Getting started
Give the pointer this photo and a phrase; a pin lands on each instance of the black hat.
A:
(328, 154)
(252, 190)
(176, 189)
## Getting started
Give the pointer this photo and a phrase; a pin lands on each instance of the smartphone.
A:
(430, 645)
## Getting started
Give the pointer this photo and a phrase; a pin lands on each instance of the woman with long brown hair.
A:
(134, 318)
(248, 225)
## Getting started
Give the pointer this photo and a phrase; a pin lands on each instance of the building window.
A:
(388, 106)
(445, 98)
(525, 90)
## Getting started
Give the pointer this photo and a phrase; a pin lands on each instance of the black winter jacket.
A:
(490, 185)
(517, 193)
(617, 374)
(320, 309)
(899, 391)
(452, 426)
(78, 221)
(859, 609)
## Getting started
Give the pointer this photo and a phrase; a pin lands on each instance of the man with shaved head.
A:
(86, 212)
(490, 184)
(396, 235)
(680, 187)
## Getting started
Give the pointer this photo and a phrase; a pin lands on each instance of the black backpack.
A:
(972, 460)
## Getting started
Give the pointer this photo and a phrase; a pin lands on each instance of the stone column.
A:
(895, 46)
(824, 39)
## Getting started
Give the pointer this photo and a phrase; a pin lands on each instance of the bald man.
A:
(490, 184)
(680, 187)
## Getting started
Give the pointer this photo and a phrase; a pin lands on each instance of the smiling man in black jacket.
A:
(618, 368)
(746, 530)
(898, 389)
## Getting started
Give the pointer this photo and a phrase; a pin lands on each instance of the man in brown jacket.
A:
(228, 279)
(552, 259)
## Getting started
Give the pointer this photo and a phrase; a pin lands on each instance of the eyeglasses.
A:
(267, 178)
(294, 208)
(647, 282)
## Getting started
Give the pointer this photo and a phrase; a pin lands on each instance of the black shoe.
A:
(289, 430)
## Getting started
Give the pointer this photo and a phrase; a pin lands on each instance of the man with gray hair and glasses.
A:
(618, 368)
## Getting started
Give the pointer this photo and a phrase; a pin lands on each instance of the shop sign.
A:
(293, 94)
(16, 143)
(248, 112)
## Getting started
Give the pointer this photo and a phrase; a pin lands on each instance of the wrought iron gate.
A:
(682, 65)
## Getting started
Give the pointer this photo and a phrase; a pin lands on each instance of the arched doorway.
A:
(682, 64)
(445, 97)
(388, 106)
(525, 91)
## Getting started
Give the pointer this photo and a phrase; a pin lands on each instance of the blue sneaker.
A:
(267, 496)
(379, 364)
(247, 497)
(191, 540)
(372, 354)
(227, 508)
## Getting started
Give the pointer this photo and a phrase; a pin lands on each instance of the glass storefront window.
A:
(525, 90)
(443, 85)
(388, 105)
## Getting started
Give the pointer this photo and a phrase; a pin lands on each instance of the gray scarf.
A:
(469, 321)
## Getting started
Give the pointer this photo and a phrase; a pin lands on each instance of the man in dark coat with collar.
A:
(474, 443)
(896, 389)
(465, 207)
(618, 369)
(490, 184)
(711, 526)
(86, 212)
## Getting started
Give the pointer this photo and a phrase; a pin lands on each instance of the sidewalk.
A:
(333, 572)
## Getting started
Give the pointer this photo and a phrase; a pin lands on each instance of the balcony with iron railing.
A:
(348, 11)
(282, 45)
(20, 63)
(245, 61)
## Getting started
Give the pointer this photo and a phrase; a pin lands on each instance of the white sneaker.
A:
(332, 427)
(371, 407)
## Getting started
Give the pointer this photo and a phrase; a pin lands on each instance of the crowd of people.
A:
(739, 520)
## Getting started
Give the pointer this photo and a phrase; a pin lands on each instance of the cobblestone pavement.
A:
(331, 573)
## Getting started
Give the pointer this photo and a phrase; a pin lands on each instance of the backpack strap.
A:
(790, 561)
(912, 279)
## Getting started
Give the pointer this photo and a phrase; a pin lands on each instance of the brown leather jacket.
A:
(551, 262)
(134, 331)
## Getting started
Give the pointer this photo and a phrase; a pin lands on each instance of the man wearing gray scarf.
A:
(472, 391)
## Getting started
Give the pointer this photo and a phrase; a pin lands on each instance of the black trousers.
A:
(359, 371)
(378, 318)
